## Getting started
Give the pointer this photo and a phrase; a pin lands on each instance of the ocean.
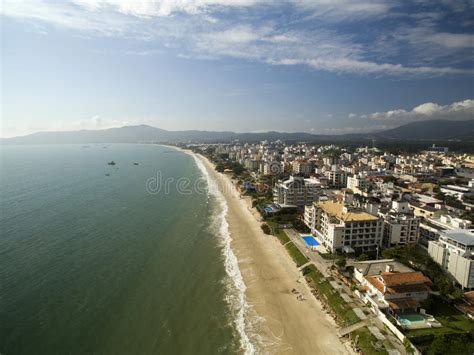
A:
(114, 259)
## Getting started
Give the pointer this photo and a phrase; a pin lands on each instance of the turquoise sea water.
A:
(94, 264)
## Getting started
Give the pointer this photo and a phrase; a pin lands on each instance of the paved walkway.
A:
(303, 266)
(360, 313)
(351, 328)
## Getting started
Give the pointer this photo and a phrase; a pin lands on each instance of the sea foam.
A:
(236, 287)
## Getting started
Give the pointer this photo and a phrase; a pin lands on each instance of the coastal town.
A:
(384, 239)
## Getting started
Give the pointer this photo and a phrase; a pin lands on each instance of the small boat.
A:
(135, 163)
(107, 174)
(111, 163)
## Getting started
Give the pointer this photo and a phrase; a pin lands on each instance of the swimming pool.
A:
(418, 321)
(410, 320)
(310, 240)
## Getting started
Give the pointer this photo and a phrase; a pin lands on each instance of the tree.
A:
(446, 344)
(341, 262)
(266, 229)
(220, 167)
(438, 346)
(362, 257)
(300, 226)
(237, 168)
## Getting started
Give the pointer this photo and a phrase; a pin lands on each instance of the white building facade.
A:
(454, 251)
(337, 226)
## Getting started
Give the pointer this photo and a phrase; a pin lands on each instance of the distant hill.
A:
(423, 130)
(431, 130)
(144, 133)
(127, 134)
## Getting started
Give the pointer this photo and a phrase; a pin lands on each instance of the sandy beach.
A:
(282, 324)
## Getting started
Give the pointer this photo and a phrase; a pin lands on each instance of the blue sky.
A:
(322, 66)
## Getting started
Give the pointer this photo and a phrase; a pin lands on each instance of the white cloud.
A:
(462, 110)
(197, 29)
(453, 40)
(427, 44)
(94, 122)
(343, 10)
(153, 8)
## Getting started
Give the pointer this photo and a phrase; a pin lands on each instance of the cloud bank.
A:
(457, 111)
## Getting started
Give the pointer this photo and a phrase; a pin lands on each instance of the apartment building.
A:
(308, 216)
(454, 251)
(252, 164)
(296, 192)
(458, 191)
(431, 228)
(328, 161)
(339, 225)
(425, 210)
(336, 178)
(400, 225)
(357, 183)
(304, 167)
(272, 168)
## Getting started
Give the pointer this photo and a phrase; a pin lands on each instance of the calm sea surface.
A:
(91, 263)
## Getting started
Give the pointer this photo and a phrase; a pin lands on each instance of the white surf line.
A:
(237, 292)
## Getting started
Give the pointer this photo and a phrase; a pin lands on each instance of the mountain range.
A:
(432, 130)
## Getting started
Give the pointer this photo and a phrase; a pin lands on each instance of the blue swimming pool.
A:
(310, 240)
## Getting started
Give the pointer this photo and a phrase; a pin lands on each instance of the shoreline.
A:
(275, 321)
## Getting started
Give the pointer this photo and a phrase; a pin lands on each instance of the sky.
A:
(317, 66)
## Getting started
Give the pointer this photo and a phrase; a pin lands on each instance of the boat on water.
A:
(111, 163)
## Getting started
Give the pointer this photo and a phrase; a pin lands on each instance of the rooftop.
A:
(402, 278)
(376, 267)
(403, 303)
(422, 206)
(400, 282)
(335, 208)
(462, 236)
(427, 199)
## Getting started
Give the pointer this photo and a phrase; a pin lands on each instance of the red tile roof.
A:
(403, 303)
(401, 282)
(403, 278)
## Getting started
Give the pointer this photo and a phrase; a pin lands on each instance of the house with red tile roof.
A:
(398, 292)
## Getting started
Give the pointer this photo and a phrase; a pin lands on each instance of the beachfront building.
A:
(362, 269)
(338, 225)
(296, 192)
(397, 292)
(308, 216)
(454, 251)
(400, 225)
